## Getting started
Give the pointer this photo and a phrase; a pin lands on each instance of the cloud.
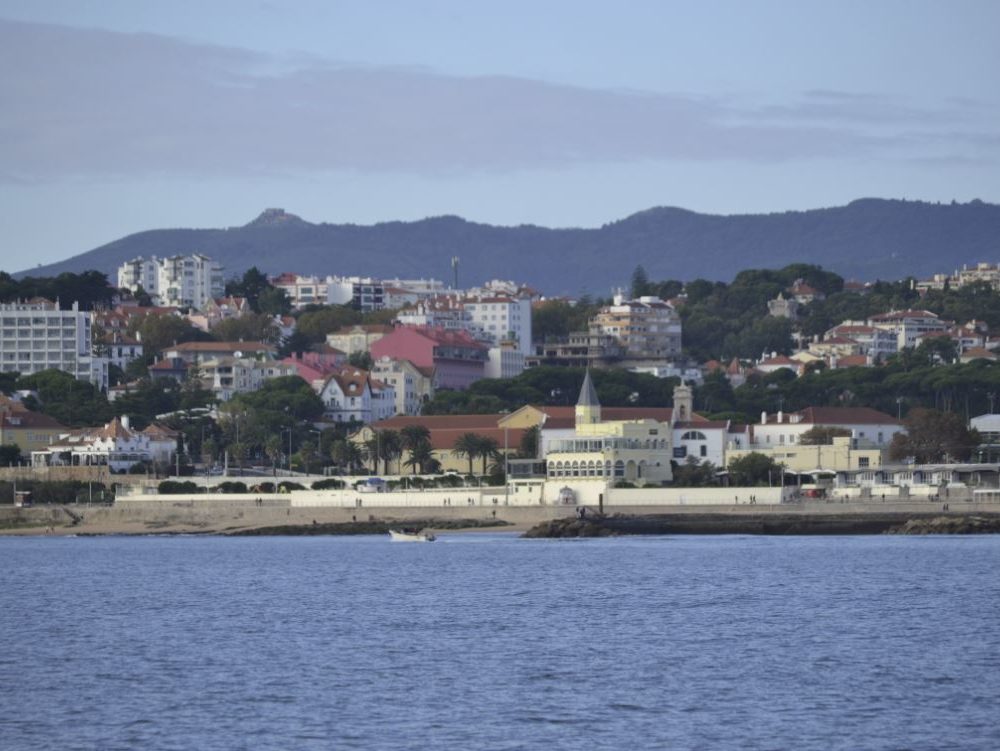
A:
(99, 103)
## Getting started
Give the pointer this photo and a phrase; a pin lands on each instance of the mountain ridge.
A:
(867, 239)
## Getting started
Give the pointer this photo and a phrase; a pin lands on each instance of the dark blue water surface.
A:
(493, 642)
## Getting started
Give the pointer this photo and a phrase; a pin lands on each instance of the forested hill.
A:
(866, 240)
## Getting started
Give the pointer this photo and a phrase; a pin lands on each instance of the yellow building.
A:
(635, 451)
(30, 431)
(839, 456)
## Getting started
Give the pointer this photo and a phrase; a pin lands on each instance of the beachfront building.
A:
(183, 281)
(609, 451)
(867, 426)
(842, 454)
(115, 445)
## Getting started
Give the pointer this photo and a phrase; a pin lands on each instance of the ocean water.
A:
(487, 641)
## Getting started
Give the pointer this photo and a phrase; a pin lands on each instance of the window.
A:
(704, 450)
(862, 462)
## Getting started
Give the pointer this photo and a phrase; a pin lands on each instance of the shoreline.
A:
(786, 519)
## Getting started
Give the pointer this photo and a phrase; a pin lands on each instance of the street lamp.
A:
(289, 431)
(319, 449)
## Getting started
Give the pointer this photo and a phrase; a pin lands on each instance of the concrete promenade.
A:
(196, 515)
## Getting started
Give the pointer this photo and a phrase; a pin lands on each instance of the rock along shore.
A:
(874, 523)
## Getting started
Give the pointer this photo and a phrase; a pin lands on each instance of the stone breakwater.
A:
(771, 524)
(949, 525)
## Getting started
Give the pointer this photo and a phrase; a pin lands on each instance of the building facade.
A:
(182, 281)
(35, 335)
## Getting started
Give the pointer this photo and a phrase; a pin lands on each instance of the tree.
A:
(252, 327)
(346, 455)
(251, 286)
(467, 445)
(695, 474)
(422, 456)
(754, 469)
(10, 453)
(640, 283)
(488, 450)
(528, 447)
(61, 396)
(158, 332)
(361, 359)
(933, 436)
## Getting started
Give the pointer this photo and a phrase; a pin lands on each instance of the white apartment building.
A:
(178, 281)
(228, 376)
(877, 342)
(908, 325)
(35, 336)
(363, 293)
(867, 426)
(504, 360)
(502, 318)
(410, 385)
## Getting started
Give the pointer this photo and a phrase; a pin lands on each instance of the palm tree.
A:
(467, 445)
(421, 455)
(488, 449)
(372, 449)
(391, 446)
(272, 447)
(346, 455)
(414, 434)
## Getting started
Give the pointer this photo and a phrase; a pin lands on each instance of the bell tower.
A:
(683, 403)
(588, 408)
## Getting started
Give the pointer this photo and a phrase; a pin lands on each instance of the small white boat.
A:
(408, 534)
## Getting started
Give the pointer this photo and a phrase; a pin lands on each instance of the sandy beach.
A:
(222, 519)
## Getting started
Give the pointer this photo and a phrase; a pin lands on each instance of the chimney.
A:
(781, 416)
(763, 417)
(126, 423)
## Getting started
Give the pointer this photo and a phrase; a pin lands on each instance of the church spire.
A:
(588, 408)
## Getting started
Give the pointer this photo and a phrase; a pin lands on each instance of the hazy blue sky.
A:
(118, 116)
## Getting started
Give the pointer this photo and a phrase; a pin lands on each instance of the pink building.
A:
(315, 367)
(458, 360)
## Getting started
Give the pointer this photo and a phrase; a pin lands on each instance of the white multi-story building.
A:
(647, 328)
(178, 281)
(877, 342)
(502, 319)
(908, 325)
(351, 395)
(504, 360)
(363, 293)
(228, 376)
(867, 426)
(36, 335)
(411, 385)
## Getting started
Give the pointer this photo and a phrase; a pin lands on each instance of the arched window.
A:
(694, 435)
(619, 468)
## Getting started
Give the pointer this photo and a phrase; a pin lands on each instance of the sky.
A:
(119, 116)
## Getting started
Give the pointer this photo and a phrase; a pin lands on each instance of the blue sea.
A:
(487, 641)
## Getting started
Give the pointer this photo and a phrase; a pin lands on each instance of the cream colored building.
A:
(635, 451)
(358, 338)
(839, 456)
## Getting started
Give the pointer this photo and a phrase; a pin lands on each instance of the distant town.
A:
(794, 379)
